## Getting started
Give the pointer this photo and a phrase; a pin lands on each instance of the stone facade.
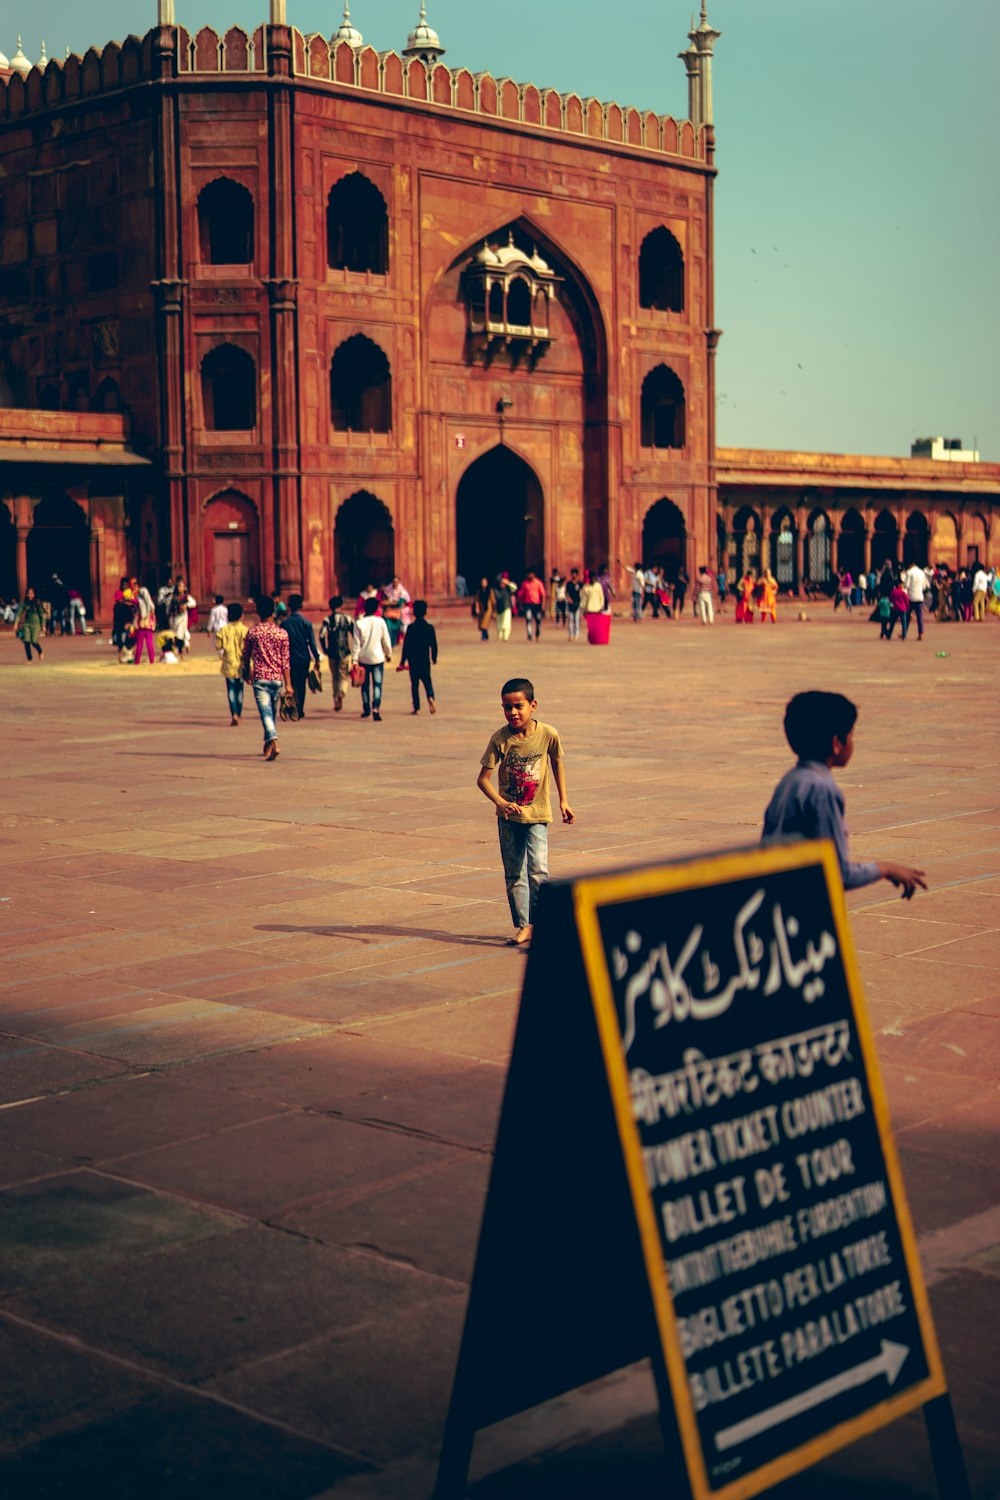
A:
(315, 400)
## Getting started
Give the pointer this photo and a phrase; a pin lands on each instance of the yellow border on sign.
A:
(589, 895)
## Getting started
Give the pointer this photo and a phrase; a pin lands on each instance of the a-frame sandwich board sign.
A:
(695, 1164)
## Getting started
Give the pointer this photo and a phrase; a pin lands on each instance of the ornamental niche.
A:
(508, 293)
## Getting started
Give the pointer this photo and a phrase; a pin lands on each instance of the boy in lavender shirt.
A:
(807, 802)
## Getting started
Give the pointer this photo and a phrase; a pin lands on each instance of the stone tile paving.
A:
(254, 1024)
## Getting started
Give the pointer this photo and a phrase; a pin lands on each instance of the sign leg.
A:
(453, 1466)
(680, 1488)
(946, 1450)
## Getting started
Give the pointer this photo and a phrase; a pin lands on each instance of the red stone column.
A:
(282, 288)
(168, 291)
(22, 560)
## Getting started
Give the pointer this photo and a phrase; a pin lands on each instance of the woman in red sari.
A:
(744, 598)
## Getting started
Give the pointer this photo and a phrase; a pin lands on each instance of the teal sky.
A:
(857, 219)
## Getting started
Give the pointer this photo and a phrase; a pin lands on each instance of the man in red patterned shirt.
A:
(267, 667)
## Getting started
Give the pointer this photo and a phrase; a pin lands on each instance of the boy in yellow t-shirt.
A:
(229, 640)
(523, 753)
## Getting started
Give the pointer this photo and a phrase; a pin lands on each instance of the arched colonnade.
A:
(810, 538)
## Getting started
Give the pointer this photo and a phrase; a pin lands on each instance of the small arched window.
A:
(661, 272)
(225, 223)
(519, 303)
(360, 387)
(663, 422)
(109, 396)
(229, 389)
(357, 226)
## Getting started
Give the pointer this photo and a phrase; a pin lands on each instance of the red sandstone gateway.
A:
(480, 337)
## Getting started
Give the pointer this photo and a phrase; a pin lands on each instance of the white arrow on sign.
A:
(888, 1363)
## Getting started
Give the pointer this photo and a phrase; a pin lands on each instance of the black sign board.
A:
(695, 1164)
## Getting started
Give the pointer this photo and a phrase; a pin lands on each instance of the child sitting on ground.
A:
(807, 803)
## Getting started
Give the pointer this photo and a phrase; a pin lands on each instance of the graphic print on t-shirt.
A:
(521, 776)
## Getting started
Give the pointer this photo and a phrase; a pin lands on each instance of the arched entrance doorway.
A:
(746, 541)
(8, 554)
(363, 544)
(818, 554)
(232, 547)
(59, 542)
(664, 538)
(851, 544)
(885, 541)
(499, 518)
(784, 550)
(915, 540)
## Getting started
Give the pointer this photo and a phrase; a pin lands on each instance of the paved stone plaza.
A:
(256, 1020)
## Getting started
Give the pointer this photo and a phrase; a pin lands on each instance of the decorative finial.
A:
(44, 57)
(348, 33)
(423, 41)
(19, 63)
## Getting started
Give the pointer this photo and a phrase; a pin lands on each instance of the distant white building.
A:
(948, 449)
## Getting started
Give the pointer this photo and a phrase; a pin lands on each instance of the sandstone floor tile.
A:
(387, 1388)
(85, 1222)
(943, 1191)
(65, 1007)
(198, 1308)
(432, 1224)
(894, 936)
(29, 1070)
(482, 1029)
(917, 1094)
(321, 1073)
(967, 1133)
(264, 1168)
(461, 1106)
(126, 1115)
(188, 1446)
(175, 1031)
(47, 1388)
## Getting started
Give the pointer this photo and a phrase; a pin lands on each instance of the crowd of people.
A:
(160, 628)
(902, 596)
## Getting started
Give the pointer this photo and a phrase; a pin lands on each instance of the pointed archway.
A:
(363, 543)
(499, 518)
(8, 554)
(664, 538)
(59, 542)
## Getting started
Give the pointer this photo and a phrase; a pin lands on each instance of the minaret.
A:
(704, 38)
(347, 33)
(689, 57)
(423, 42)
(279, 15)
(165, 15)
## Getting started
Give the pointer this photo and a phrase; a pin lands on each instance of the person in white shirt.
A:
(980, 584)
(916, 586)
(371, 649)
(218, 616)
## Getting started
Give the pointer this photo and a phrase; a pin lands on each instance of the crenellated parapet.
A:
(341, 65)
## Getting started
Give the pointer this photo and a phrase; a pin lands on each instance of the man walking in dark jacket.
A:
(302, 649)
(420, 648)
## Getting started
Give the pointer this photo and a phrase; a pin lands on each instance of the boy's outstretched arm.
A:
(559, 770)
(904, 876)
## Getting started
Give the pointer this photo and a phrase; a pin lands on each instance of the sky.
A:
(857, 203)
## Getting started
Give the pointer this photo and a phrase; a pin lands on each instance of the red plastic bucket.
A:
(598, 629)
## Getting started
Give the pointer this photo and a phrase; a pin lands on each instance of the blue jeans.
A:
(637, 607)
(524, 850)
(267, 696)
(234, 691)
(371, 688)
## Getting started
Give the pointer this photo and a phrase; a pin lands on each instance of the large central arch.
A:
(499, 520)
